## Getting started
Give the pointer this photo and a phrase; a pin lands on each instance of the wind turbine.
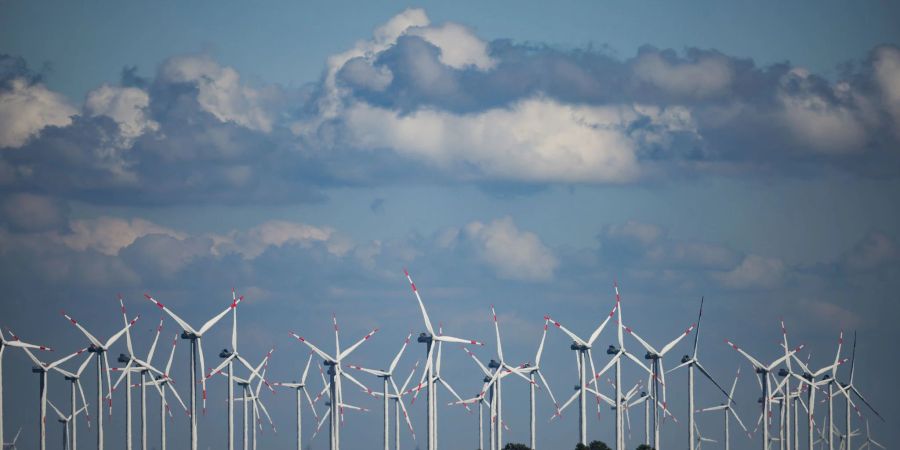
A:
(15, 343)
(102, 349)
(658, 375)
(498, 380)
(866, 445)
(386, 377)
(195, 336)
(532, 370)
(230, 356)
(42, 369)
(809, 378)
(336, 372)
(75, 384)
(326, 392)
(582, 348)
(247, 394)
(700, 439)
(763, 371)
(691, 361)
(729, 410)
(132, 364)
(163, 382)
(12, 445)
(849, 388)
(492, 373)
(300, 388)
(65, 420)
(428, 338)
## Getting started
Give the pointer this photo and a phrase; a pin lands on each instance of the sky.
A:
(525, 155)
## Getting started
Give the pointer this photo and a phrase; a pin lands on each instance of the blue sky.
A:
(520, 154)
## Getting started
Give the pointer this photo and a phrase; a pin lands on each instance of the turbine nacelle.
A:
(577, 346)
(685, 359)
(651, 356)
(425, 337)
(783, 372)
(225, 353)
(124, 358)
(612, 350)
(494, 364)
(188, 335)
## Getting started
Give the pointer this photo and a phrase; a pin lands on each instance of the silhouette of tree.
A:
(516, 446)
(594, 445)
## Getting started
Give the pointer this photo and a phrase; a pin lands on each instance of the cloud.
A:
(33, 213)
(460, 48)
(108, 235)
(127, 106)
(537, 140)
(512, 253)
(873, 251)
(886, 65)
(26, 108)
(700, 75)
(754, 272)
(276, 233)
(220, 92)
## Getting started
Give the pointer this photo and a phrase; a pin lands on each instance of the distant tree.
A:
(594, 445)
(516, 446)
(645, 447)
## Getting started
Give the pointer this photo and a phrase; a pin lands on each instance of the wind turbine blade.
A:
(218, 369)
(566, 330)
(184, 325)
(540, 350)
(306, 369)
(643, 343)
(365, 388)
(202, 371)
(713, 408)
(18, 343)
(564, 406)
(58, 413)
(752, 360)
(409, 377)
(108, 381)
(112, 340)
(457, 340)
(87, 413)
(425, 373)
(734, 384)
(377, 373)
(85, 332)
(171, 356)
(783, 358)
(399, 354)
(675, 341)
(710, 378)
(697, 334)
(549, 392)
(738, 418)
(484, 369)
(858, 394)
(33, 359)
(353, 347)
(209, 323)
(684, 364)
(321, 354)
(452, 391)
(66, 358)
(125, 322)
(399, 400)
(637, 361)
(421, 304)
(607, 366)
(600, 328)
(497, 332)
(312, 406)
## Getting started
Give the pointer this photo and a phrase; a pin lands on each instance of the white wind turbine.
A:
(849, 388)
(248, 395)
(336, 373)
(658, 375)
(700, 439)
(616, 360)
(15, 343)
(102, 350)
(809, 378)
(583, 355)
(75, 384)
(42, 369)
(195, 336)
(230, 356)
(429, 338)
(500, 366)
(531, 370)
(300, 388)
(134, 364)
(387, 377)
(251, 397)
(65, 421)
(12, 444)
(763, 371)
(326, 392)
(869, 441)
(163, 382)
(729, 411)
(492, 373)
(691, 362)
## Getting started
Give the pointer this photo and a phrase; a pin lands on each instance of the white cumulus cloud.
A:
(126, 105)
(26, 108)
(512, 253)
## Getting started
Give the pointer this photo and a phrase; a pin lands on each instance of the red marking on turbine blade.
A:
(413, 286)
